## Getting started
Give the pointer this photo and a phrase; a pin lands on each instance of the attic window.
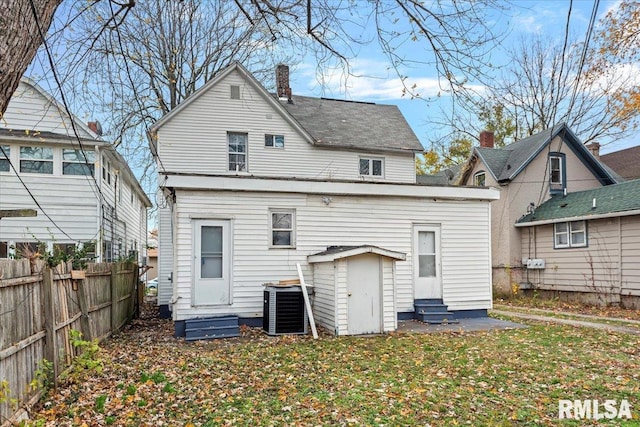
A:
(274, 141)
(479, 179)
(371, 167)
(235, 92)
(557, 173)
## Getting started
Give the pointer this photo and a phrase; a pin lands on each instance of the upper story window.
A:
(5, 158)
(237, 152)
(479, 179)
(235, 92)
(371, 167)
(275, 141)
(557, 172)
(36, 160)
(77, 162)
(282, 227)
(570, 234)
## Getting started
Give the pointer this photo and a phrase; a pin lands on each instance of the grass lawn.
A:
(510, 377)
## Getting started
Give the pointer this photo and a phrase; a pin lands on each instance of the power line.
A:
(33, 197)
(64, 102)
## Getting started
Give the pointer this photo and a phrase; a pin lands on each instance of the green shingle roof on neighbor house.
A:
(622, 199)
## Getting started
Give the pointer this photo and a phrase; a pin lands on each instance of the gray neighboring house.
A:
(589, 242)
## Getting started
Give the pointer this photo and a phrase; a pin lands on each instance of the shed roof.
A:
(333, 253)
(611, 200)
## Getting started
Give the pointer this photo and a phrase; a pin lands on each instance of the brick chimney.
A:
(95, 127)
(594, 147)
(282, 82)
(486, 139)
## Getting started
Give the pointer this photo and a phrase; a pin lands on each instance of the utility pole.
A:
(17, 213)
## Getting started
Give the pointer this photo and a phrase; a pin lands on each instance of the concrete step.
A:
(212, 328)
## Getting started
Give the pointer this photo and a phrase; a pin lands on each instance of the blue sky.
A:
(522, 18)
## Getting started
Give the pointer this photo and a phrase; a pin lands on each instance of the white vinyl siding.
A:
(29, 109)
(205, 151)
(386, 222)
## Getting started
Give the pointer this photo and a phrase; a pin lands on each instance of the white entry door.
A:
(212, 262)
(363, 294)
(426, 262)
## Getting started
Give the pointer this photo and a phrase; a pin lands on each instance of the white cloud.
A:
(370, 80)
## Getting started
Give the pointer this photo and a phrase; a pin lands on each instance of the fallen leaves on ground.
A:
(571, 307)
(507, 377)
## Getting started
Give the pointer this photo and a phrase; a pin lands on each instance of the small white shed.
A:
(354, 289)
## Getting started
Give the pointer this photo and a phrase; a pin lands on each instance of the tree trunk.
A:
(20, 40)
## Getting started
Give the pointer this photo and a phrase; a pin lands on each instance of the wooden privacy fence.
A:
(40, 306)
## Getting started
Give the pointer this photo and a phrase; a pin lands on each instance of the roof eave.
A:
(579, 218)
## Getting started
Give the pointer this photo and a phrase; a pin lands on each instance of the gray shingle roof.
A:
(447, 176)
(609, 199)
(624, 162)
(507, 162)
(354, 125)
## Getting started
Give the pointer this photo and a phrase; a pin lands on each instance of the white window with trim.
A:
(5, 158)
(36, 160)
(274, 141)
(282, 225)
(557, 173)
(373, 167)
(479, 179)
(570, 234)
(237, 144)
(77, 162)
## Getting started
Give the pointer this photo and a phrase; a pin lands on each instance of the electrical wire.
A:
(64, 102)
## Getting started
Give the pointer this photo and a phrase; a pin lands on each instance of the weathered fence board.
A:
(39, 307)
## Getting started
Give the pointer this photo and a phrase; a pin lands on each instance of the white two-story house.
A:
(255, 183)
(83, 191)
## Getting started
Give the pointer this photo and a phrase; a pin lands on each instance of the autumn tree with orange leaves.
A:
(617, 55)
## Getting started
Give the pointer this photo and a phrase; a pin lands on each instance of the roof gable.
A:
(34, 109)
(326, 122)
(610, 199)
(506, 163)
(235, 67)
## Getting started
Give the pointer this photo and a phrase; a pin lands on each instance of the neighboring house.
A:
(587, 242)
(257, 183)
(625, 163)
(85, 192)
(528, 172)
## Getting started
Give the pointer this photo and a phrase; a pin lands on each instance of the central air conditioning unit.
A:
(284, 311)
